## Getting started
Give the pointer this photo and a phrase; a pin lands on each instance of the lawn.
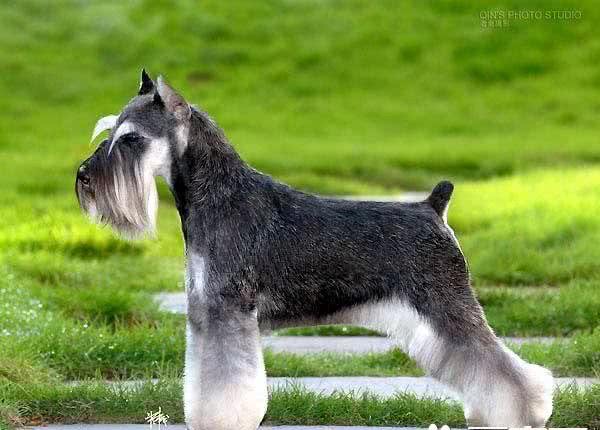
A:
(352, 98)
(93, 401)
(40, 344)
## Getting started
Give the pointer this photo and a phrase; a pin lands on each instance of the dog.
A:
(262, 255)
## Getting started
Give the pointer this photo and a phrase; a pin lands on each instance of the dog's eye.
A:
(130, 138)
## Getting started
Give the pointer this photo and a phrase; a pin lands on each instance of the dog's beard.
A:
(123, 194)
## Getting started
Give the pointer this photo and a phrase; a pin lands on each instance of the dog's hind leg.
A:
(498, 388)
(225, 384)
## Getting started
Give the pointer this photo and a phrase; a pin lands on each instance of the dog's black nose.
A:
(82, 175)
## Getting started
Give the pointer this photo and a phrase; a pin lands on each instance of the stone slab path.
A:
(383, 387)
(352, 344)
(388, 387)
(171, 302)
(182, 427)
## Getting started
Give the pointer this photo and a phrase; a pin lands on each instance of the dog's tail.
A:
(440, 197)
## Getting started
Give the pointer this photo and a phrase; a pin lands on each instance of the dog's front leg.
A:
(225, 383)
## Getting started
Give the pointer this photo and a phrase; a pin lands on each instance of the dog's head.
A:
(116, 184)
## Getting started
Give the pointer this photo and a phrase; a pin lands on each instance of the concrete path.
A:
(382, 387)
(388, 387)
(182, 427)
(171, 302)
(316, 344)
(356, 385)
(353, 344)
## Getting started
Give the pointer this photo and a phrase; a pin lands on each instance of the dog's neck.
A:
(206, 177)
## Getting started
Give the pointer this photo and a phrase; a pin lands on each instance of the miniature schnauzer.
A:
(262, 254)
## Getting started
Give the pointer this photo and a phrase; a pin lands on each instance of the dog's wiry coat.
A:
(261, 253)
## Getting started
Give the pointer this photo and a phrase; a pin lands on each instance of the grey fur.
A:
(260, 252)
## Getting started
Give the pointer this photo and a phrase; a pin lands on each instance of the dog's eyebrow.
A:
(124, 128)
(103, 124)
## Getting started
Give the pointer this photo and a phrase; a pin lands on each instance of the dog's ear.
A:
(146, 84)
(174, 103)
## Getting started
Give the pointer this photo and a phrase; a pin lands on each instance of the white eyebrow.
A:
(124, 128)
(104, 124)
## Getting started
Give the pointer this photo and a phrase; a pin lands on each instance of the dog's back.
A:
(337, 253)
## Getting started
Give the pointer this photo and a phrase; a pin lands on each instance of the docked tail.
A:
(440, 197)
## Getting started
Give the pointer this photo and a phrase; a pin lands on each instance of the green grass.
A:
(360, 111)
(538, 228)
(41, 345)
(337, 98)
(580, 357)
(353, 91)
(97, 402)
(300, 407)
(572, 408)
(391, 363)
(560, 311)
(92, 401)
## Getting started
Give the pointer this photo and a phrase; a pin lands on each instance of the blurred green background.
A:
(334, 97)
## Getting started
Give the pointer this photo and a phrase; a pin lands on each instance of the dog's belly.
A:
(331, 306)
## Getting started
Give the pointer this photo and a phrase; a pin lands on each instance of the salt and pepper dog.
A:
(262, 254)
